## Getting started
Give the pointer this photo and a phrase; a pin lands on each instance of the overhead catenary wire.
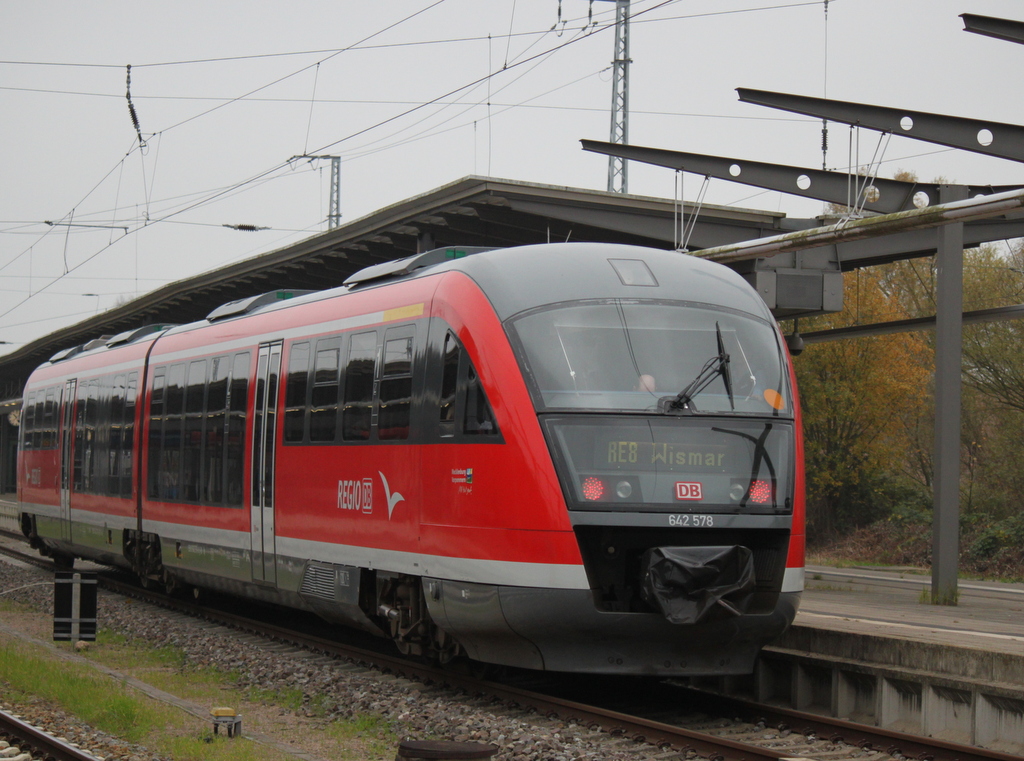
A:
(312, 102)
(267, 175)
(267, 172)
(367, 148)
(306, 68)
(411, 43)
(141, 143)
(442, 129)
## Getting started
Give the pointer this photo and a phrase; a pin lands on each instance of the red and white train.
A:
(577, 457)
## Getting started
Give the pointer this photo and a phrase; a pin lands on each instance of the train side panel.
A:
(78, 476)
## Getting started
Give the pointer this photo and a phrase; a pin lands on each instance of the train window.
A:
(273, 379)
(116, 421)
(323, 421)
(192, 440)
(37, 429)
(77, 481)
(128, 435)
(396, 385)
(156, 435)
(449, 383)
(479, 417)
(174, 397)
(28, 422)
(217, 391)
(170, 451)
(463, 407)
(622, 355)
(234, 448)
(295, 392)
(359, 374)
(85, 436)
(212, 486)
(196, 387)
(92, 468)
(101, 438)
(257, 426)
(49, 440)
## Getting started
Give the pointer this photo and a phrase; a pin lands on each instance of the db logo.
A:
(690, 490)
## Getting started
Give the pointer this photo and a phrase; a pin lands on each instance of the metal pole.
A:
(617, 177)
(949, 267)
(334, 216)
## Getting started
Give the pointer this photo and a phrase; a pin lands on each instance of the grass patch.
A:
(927, 598)
(30, 674)
(33, 673)
(372, 732)
(102, 703)
(829, 588)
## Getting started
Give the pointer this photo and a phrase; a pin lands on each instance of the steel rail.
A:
(614, 722)
(37, 743)
(632, 726)
(897, 744)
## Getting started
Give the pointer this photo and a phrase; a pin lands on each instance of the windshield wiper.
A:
(715, 366)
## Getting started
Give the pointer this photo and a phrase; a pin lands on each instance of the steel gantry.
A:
(960, 215)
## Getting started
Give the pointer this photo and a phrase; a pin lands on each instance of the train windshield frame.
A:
(617, 355)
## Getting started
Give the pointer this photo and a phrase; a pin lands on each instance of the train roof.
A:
(515, 280)
(522, 278)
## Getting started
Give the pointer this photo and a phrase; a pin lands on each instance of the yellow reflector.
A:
(403, 313)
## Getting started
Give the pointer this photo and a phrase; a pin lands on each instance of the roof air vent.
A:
(410, 263)
(252, 304)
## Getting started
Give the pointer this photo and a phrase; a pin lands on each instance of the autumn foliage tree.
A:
(860, 399)
(869, 418)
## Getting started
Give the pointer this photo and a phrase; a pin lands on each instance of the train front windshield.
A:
(643, 412)
(627, 356)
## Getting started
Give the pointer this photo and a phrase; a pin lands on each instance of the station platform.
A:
(988, 616)
(868, 646)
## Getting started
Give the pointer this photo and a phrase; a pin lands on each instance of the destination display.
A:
(650, 455)
(675, 463)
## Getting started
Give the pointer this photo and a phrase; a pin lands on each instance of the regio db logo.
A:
(356, 495)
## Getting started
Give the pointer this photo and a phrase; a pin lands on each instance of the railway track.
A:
(34, 744)
(658, 713)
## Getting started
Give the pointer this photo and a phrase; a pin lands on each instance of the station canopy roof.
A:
(473, 211)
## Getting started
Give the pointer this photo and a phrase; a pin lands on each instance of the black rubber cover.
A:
(688, 584)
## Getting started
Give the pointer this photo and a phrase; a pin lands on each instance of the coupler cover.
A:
(687, 584)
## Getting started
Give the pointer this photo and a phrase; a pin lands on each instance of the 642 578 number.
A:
(692, 520)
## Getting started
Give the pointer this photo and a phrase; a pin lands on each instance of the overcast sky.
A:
(226, 92)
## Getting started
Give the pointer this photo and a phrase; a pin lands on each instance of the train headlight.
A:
(623, 489)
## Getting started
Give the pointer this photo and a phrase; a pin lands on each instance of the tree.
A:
(859, 396)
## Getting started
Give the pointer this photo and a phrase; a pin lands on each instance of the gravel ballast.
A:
(338, 690)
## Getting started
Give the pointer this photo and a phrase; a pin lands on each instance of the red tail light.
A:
(593, 488)
(761, 492)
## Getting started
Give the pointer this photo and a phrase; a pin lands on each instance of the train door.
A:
(67, 417)
(268, 372)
